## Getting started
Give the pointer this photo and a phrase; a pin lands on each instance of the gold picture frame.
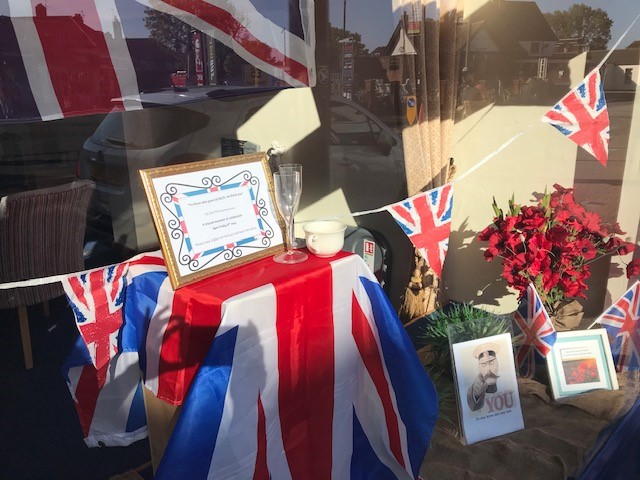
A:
(213, 215)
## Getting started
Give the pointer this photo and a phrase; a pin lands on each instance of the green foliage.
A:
(581, 21)
(466, 323)
(446, 393)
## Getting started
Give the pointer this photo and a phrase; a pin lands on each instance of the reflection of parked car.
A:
(209, 122)
(366, 157)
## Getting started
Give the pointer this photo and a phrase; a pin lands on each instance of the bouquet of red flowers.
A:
(552, 245)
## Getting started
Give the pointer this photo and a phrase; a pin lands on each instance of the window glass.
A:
(333, 83)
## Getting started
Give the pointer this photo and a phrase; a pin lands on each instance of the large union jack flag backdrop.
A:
(621, 323)
(426, 219)
(102, 58)
(285, 50)
(539, 335)
(582, 116)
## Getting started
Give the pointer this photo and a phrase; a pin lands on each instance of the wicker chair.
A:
(41, 234)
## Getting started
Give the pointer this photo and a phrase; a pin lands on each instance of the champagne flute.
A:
(293, 167)
(287, 192)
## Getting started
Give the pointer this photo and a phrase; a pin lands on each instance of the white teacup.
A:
(324, 238)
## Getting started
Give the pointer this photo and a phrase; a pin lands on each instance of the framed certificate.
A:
(580, 361)
(213, 215)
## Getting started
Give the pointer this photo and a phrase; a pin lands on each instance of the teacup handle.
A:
(311, 240)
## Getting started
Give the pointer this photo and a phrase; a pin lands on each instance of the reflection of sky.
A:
(622, 12)
(375, 20)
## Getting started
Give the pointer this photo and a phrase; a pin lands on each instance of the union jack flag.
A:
(282, 47)
(102, 370)
(339, 395)
(426, 219)
(534, 323)
(99, 64)
(621, 323)
(582, 116)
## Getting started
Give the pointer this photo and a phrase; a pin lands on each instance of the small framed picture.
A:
(487, 387)
(213, 215)
(581, 361)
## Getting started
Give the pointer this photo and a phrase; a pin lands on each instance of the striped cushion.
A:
(42, 234)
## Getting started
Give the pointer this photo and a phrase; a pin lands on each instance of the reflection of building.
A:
(620, 72)
(503, 42)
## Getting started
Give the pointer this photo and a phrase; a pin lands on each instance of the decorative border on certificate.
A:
(581, 361)
(213, 215)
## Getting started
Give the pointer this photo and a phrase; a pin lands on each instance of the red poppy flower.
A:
(552, 244)
(586, 249)
(591, 221)
(633, 268)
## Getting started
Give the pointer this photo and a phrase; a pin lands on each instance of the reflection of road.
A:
(599, 187)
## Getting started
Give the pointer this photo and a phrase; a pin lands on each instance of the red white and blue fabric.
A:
(623, 328)
(539, 335)
(312, 380)
(582, 116)
(90, 69)
(282, 46)
(102, 370)
(59, 75)
(426, 219)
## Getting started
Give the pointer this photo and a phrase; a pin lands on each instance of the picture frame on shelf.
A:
(581, 361)
(486, 387)
(213, 215)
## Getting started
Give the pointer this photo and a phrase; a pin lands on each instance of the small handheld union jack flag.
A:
(582, 116)
(534, 323)
(426, 219)
(621, 323)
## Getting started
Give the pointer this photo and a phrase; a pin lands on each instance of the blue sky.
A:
(375, 21)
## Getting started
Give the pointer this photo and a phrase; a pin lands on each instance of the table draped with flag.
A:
(283, 371)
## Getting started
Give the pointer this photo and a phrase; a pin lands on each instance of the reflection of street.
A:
(599, 186)
(600, 189)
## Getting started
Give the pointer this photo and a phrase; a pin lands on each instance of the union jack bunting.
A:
(102, 370)
(621, 323)
(96, 299)
(532, 320)
(426, 219)
(582, 116)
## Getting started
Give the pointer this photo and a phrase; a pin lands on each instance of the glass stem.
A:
(289, 235)
(292, 235)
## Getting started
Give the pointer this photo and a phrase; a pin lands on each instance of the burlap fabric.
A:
(557, 438)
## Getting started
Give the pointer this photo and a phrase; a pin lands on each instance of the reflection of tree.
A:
(171, 32)
(591, 24)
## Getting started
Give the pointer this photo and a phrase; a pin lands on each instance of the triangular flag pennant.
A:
(426, 219)
(621, 323)
(582, 116)
(534, 323)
